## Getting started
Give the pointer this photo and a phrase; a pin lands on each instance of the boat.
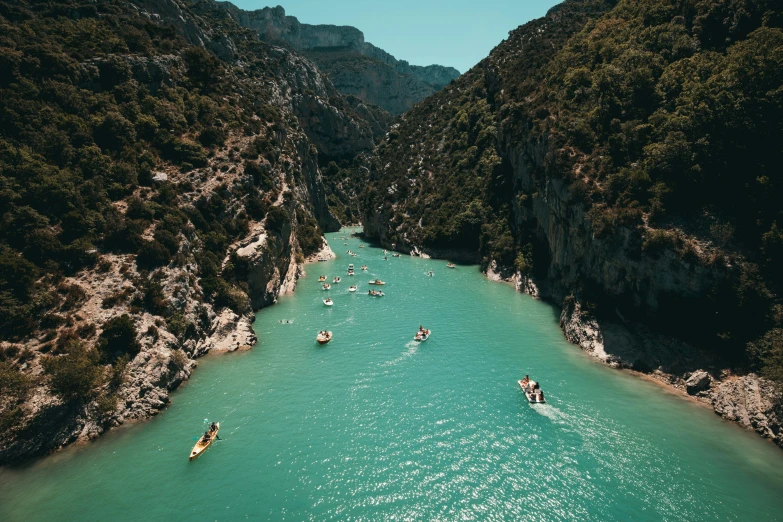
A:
(395, 255)
(336, 280)
(373, 293)
(328, 301)
(327, 286)
(377, 282)
(451, 265)
(364, 267)
(350, 267)
(352, 288)
(204, 441)
(532, 390)
(322, 279)
(422, 335)
(323, 337)
(430, 273)
(353, 254)
(350, 272)
(361, 246)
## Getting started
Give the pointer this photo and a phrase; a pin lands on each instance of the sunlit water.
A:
(374, 426)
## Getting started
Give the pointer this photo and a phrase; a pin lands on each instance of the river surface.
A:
(374, 426)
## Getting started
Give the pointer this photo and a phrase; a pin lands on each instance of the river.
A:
(374, 426)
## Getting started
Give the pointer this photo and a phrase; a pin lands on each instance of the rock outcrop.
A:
(354, 66)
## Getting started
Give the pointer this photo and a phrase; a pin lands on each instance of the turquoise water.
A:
(374, 426)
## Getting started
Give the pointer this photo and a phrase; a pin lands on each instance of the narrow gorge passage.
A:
(376, 426)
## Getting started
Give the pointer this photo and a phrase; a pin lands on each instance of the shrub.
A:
(118, 338)
(276, 219)
(152, 255)
(75, 375)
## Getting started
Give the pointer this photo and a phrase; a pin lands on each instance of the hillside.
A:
(354, 66)
(159, 181)
(621, 159)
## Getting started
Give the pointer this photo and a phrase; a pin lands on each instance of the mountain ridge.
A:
(411, 84)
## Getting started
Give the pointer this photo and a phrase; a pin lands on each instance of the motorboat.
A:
(395, 255)
(322, 279)
(377, 282)
(204, 441)
(451, 265)
(350, 272)
(327, 286)
(323, 337)
(328, 301)
(532, 390)
(422, 335)
(350, 267)
(361, 246)
(364, 267)
(430, 273)
(336, 280)
(352, 288)
(373, 293)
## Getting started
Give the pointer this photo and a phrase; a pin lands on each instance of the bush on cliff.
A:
(118, 338)
(75, 375)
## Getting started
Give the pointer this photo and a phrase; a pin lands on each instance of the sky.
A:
(457, 33)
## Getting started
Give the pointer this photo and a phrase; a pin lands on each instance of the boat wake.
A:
(549, 411)
(412, 347)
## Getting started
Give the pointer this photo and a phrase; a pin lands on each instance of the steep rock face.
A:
(510, 164)
(232, 186)
(354, 66)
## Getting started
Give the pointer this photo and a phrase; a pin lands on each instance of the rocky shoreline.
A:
(748, 400)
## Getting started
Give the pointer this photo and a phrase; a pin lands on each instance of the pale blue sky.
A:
(458, 33)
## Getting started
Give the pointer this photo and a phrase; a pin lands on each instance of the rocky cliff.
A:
(354, 66)
(585, 185)
(198, 174)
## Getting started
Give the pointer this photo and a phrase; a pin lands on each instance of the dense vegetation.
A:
(123, 148)
(664, 117)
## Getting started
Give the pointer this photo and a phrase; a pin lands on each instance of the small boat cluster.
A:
(532, 389)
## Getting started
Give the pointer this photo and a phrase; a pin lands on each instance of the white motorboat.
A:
(352, 288)
(328, 301)
(327, 286)
(350, 267)
(533, 391)
(336, 280)
(364, 267)
(422, 335)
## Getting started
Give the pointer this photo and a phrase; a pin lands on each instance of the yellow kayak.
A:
(202, 445)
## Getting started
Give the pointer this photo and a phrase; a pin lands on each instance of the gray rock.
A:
(698, 381)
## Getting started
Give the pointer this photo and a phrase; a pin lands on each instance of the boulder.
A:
(698, 381)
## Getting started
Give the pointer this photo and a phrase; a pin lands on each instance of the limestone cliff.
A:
(519, 165)
(354, 66)
(231, 184)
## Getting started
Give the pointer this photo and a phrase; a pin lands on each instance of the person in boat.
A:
(525, 381)
(541, 396)
(212, 427)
